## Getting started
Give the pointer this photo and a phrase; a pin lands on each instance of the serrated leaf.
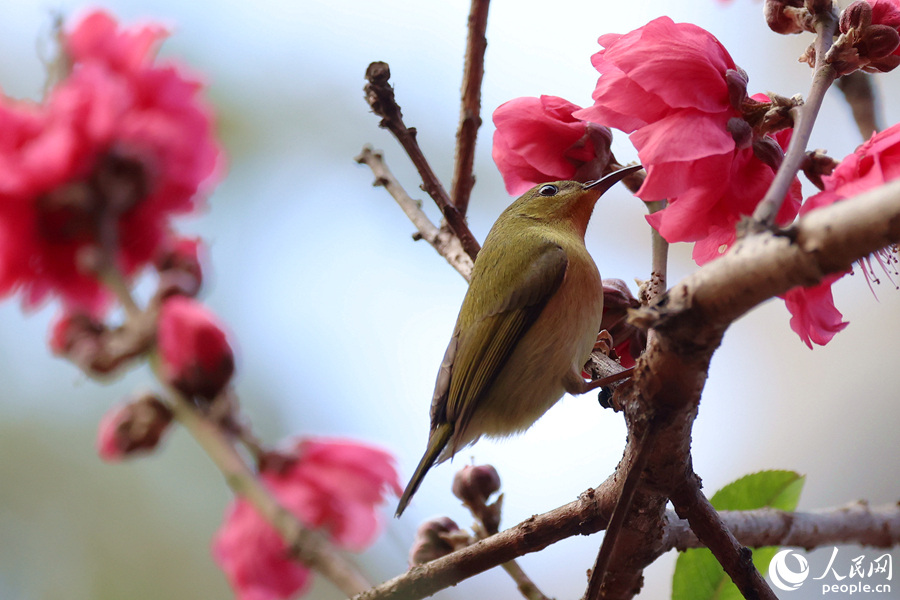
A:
(698, 575)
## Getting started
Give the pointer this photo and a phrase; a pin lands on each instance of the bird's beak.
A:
(610, 180)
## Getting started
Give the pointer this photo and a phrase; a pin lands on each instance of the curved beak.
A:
(610, 180)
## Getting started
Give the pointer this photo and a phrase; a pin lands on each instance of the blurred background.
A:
(342, 320)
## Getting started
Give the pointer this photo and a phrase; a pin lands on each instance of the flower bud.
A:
(73, 332)
(436, 538)
(768, 151)
(856, 16)
(737, 80)
(780, 15)
(883, 65)
(179, 266)
(740, 131)
(816, 164)
(132, 428)
(818, 7)
(878, 41)
(474, 485)
(194, 351)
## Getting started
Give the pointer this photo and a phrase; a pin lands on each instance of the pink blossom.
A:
(98, 37)
(330, 485)
(676, 89)
(120, 146)
(538, 140)
(814, 317)
(194, 352)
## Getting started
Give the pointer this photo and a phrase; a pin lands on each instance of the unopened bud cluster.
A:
(869, 39)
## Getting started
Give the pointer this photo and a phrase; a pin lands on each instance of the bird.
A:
(527, 324)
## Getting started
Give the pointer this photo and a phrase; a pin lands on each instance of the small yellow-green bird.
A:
(527, 324)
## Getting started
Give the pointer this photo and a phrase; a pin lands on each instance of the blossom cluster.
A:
(91, 179)
(709, 148)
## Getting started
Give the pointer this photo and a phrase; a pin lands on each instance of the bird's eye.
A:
(548, 190)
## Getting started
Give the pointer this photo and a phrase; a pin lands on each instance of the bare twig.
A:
(658, 258)
(470, 113)
(380, 96)
(860, 95)
(445, 242)
(307, 546)
(804, 119)
(736, 560)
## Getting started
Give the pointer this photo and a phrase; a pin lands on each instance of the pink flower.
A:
(538, 140)
(119, 147)
(98, 37)
(194, 352)
(328, 484)
(874, 163)
(675, 88)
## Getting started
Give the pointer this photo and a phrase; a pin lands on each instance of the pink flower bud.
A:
(73, 330)
(436, 538)
(179, 266)
(196, 357)
(132, 428)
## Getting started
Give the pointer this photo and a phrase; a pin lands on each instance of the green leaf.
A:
(698, 575)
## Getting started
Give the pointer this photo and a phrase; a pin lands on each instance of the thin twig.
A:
(659, 257)
(737, 560)
(445, 242)
(859, 92)
(306, 545)
(470, 113)
(804, 119)
(380, 96)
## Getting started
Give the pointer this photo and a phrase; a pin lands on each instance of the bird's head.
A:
(566, 200)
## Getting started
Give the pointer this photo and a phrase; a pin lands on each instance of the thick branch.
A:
(470, 113)
(856, 523)
(736, 560)
(805, 118)
(446, 244)
(380, 96)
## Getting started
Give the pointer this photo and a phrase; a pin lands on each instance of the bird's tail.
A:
(436, 443)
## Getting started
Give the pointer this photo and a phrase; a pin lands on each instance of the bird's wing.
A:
(479, 350)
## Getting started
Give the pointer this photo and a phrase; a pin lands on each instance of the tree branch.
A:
(737, 561)
(445, 242)
(804, 119)
(470, 113)
(380, 96)
(305, 545)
